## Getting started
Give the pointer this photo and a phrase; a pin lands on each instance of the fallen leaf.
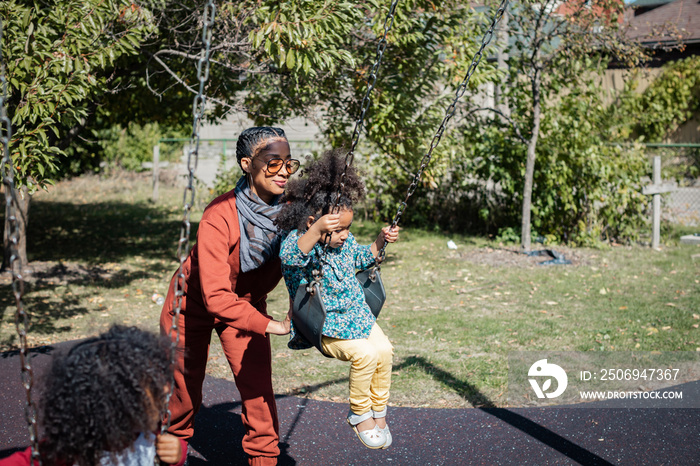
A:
(670, 304)
(622, 308)
(603, 291)
(666, 328)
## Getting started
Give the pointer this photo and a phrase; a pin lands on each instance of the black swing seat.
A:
(371, 283)
(309, 313)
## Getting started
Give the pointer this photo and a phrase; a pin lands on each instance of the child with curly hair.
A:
(350, 332)
(102, 403)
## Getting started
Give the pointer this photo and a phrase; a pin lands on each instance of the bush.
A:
(585, 188)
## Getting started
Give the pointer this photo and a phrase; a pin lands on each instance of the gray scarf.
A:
(259, 238)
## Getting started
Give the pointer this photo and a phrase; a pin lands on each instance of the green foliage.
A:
(585, 189)
(429, 51)
(58, 60)
(306, 38)
(300, 54)
(671, 99)
(225, 180)
(582, 189)
(128, 147)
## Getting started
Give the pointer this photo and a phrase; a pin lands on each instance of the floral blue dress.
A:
(348, 316)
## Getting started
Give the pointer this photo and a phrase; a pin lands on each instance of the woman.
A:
(228, 274)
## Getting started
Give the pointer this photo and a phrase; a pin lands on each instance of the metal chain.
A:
(13, 236)
(449, 113)
(366, 101)
(364, 106)
(183, 247)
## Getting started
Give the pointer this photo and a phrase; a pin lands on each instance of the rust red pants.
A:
(250, 359)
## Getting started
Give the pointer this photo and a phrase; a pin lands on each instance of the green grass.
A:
(100, 249)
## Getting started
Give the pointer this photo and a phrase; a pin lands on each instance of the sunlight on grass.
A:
(100, 249)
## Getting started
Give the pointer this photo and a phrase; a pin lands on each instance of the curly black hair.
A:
(314, 191)
(101, 393)
(254, 139)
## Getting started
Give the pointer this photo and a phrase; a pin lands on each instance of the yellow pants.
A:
(370, 372)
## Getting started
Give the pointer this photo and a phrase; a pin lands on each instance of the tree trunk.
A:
(525, 239)
(22, 213)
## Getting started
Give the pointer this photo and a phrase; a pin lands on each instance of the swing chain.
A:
(449, 113)
(13, 237)
(311, 286)
(364, 106)
(366, 100)
(183, 248)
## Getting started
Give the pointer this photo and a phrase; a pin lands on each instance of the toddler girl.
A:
(350, 332)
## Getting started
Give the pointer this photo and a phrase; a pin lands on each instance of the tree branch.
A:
(507, 118)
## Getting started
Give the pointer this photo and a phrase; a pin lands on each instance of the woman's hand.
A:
(280, 327)
(168, 448)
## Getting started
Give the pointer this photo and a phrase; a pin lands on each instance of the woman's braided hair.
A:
(314, 191)
(253, 140)
(101, 393)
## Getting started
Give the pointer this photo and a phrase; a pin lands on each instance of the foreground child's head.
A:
(313, 194)
(103, 392)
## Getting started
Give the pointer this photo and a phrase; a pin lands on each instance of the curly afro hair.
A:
(101, 393)
(314, 192)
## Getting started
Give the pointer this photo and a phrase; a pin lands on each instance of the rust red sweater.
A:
(214, 281)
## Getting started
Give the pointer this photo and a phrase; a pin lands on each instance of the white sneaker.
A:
(387, 434)
(373, 438)
(385, 430)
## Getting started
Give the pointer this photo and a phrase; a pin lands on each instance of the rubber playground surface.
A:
(315, 432)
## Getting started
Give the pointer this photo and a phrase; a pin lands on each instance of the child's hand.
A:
(168, 448)
(391, 235)
(327, 223)
(387, 235)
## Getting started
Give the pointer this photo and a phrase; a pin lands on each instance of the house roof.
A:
(682, 16)
(647, 3)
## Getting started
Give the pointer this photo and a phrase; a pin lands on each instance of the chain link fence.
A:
(680, 163)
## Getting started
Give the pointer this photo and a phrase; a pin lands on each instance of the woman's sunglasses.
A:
(274, 166)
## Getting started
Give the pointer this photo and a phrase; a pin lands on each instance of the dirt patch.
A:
(512, 257)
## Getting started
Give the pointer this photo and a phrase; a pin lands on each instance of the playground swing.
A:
(308, 312)
(13, 235)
